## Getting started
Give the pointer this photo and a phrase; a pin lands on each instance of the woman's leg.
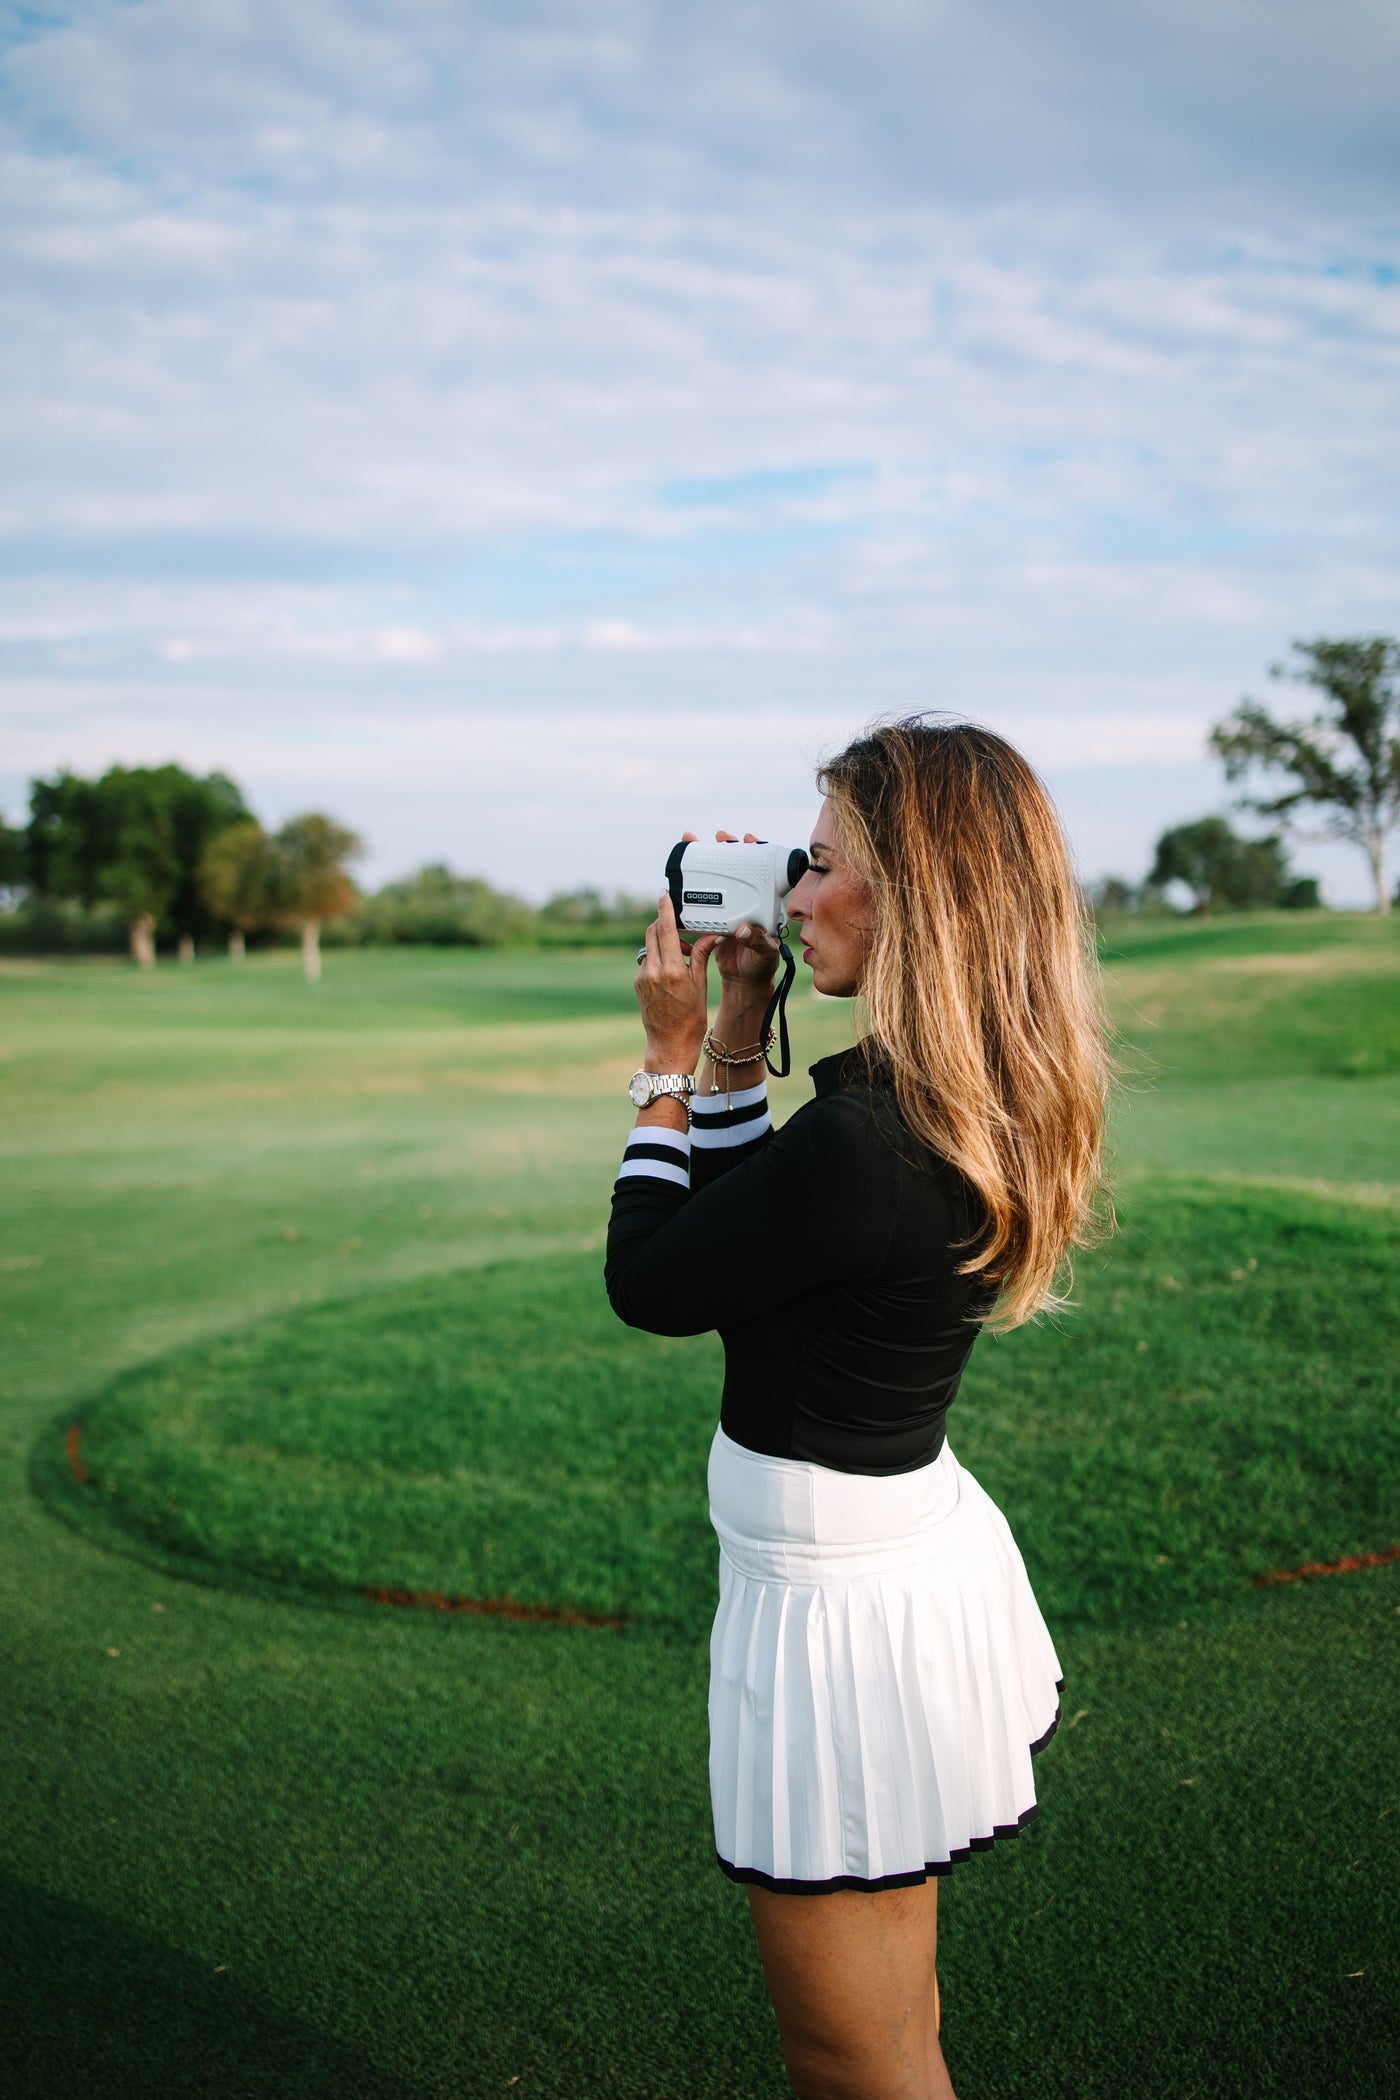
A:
(851, 1976)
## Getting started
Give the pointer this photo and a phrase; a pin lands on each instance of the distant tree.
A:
(64, 838)
(1113, 893)
(1344, 760)
(312, 882)
(14, 859)
(578, 916)
(1218, 867)
(586, 907)
(238, 879)
(202, 810)
(447, 910)
(134, 838)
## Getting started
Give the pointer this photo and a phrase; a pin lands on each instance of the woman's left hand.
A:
(673, 994)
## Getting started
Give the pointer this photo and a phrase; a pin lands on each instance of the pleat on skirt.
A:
(880, 1673)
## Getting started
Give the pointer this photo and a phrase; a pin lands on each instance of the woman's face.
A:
(833, 903)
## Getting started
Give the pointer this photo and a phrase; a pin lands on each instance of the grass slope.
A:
(252, 1846)
(1218, 1408)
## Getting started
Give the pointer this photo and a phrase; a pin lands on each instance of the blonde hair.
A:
(981, 990)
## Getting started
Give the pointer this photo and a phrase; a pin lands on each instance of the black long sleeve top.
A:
(825, 1253)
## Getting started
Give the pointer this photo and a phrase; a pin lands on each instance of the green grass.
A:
(280, 1252)
(1133, 937)
(481, 1437)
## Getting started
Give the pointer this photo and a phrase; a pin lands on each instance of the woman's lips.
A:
(806, 954)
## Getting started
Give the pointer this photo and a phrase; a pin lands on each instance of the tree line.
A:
(171, 853)
(179, 858)
(171, 858)
(1219, 869)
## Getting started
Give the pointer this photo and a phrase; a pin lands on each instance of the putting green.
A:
(496, 1434)
(1221, 1406)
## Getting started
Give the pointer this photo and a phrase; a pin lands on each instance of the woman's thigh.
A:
(851, 1976)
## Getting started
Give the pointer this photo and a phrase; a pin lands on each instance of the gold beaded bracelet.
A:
(720, 1054)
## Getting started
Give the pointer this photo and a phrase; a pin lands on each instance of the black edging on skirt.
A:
(755, 1877)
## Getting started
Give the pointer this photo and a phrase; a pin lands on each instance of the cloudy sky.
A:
(525, 427)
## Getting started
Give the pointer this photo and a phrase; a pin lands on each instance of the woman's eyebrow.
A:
(818, 847)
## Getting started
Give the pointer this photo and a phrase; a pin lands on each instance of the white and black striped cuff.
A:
(658, 1154)
(720, 1121)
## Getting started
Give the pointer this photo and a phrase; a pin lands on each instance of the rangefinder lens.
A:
(797, 867)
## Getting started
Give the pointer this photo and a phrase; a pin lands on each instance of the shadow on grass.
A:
(97, 2007)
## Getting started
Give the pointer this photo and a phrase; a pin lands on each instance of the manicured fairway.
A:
(314, 1275)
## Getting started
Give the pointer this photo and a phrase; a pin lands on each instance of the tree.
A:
(63, 841)
(1113, 893)
(587, 915)
(14, 860)
(312, 883)
(437, 906)
(238, 879)
(201, 811)
(135, 837)
(1218, 867)
(1344, 760)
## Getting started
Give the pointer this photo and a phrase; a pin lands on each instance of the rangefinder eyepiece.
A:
(719, 886)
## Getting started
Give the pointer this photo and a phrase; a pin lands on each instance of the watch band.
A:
(645, 1087)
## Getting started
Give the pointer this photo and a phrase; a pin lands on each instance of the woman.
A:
(880, 1673)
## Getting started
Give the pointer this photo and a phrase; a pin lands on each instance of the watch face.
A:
(639, 1089)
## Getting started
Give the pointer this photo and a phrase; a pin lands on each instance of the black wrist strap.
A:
(778, 1005)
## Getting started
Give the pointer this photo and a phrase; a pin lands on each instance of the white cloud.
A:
(349, 355)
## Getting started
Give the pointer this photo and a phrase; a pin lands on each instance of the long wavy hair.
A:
(981, 990)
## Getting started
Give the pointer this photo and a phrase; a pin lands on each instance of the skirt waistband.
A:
(791, 1520)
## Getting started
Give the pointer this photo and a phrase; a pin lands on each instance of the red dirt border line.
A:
(73, 1445)
(491, 1607)
(1311, 1569)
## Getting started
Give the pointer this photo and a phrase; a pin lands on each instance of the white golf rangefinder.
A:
(720, 885)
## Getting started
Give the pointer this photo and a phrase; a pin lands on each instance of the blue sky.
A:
(528, 429)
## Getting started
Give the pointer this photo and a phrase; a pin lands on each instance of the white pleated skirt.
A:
(880, 1673)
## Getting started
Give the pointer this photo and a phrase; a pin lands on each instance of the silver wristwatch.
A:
(645, 1087)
